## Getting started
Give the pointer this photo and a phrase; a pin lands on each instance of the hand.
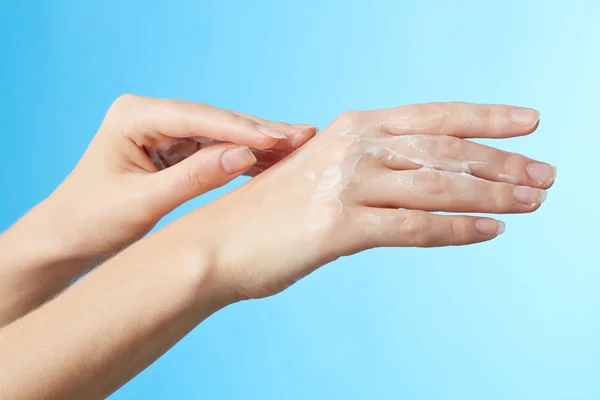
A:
(337, 195)
(371, 179)
(150, 156)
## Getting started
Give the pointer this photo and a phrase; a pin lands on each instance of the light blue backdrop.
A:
(517, 318)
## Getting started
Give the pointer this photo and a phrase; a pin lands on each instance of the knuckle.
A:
(503, 198)
(197, 177)
(443, 113)
(352, 117)
(416, 224)
(127, 97)
(125, 101)
(452, 117)
(432, 183)
(511, 164)
(445, 147)
(457, 230)
(505, 161)
(483, 114)
(488, 114)
(121, 107)
(243, 123)
(451, 147)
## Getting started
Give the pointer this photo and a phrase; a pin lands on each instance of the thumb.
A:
(207, 169)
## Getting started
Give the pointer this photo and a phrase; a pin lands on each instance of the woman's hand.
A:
(148, 157)
(372, 179)
(338, 195)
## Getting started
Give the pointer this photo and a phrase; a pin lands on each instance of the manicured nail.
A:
(237, 159)
(501, 228)
(524, 116)
(489, 227)
(305, 126)
(541, 173)
(529, 196)
(267, 130)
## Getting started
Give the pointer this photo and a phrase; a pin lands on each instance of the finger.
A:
(452, 154)
(203, 171)
(458, 119)
(180, 119)
(268, 158)
(413, 228)
(432, 190)
(265, 158)
(297, 134)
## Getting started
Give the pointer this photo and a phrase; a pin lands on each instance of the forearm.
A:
(113, 323)
(35, 262)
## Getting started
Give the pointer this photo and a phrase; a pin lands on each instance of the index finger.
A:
(463, 120)
(182, 119)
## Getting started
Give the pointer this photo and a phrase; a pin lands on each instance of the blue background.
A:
(516, 318)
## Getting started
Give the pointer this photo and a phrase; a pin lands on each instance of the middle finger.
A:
(431, 190)
(457, 155)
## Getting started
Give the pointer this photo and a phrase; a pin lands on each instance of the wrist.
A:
(195, 260)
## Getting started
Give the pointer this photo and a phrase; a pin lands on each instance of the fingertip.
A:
(524, 117)
(501, 228)
(489, 227)
(281, 134)
(510, 121)
(543, 175)
(237, 160)
(268, 138)
(270, 132)
(523, 121)
(486, 229)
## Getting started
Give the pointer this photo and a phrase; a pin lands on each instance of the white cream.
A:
(508, 178)
(326, 202)
(311, 176)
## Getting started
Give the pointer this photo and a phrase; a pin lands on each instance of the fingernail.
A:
(489, 227)
(305, 126)
(237, 159)
(501, 228)
(541, 173)
(529, 196)
(524, 116)
(267, 130)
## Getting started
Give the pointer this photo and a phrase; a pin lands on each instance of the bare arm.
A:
(148, 157)
(112, 324)
(34, 264)
(369, 180)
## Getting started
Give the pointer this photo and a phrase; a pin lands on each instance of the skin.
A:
(354, 186)
(148, 157)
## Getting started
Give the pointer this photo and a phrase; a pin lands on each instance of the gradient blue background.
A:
(516, 318)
